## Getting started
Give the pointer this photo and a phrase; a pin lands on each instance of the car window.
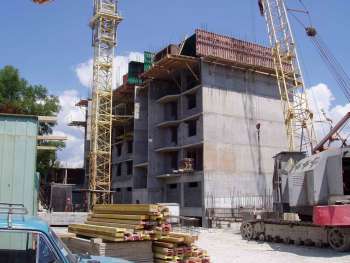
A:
(64, 250)
(45, 253)
(18, 246)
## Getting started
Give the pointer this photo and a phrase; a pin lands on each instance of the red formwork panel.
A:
(332, 215)
(235, 50)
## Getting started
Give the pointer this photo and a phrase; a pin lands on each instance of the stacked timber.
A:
(138, 252)
(129, 222)
(133, 225)
(178, 247)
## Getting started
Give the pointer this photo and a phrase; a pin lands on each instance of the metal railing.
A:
(12, 209)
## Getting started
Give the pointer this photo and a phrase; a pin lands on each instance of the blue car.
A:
(25, 239)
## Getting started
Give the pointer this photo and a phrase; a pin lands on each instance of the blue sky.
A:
(48, 42)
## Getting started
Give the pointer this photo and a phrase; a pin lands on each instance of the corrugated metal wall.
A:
(18, 178)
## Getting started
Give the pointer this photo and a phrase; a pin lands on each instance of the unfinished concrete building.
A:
(202, 129)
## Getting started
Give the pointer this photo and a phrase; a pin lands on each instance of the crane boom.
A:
(297, 115)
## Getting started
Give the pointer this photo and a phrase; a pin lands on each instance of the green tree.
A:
(17, 96)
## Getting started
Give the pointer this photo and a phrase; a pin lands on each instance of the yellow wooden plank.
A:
(157, 260)
(132, 227)
(176, 240)
(163, 250)
(116, 221)
(164, 244)
(143, 208)
(122, 216)
(164, 257)
(102, 230)
(114, 239)
(188, 239)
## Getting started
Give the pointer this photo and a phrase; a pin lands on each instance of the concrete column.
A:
(182, 199)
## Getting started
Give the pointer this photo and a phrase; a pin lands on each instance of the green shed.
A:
(19, 182)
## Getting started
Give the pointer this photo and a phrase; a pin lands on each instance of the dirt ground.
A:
(226, 246)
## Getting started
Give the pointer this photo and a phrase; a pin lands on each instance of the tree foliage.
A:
(17, 96)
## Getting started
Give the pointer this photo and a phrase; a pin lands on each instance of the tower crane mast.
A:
(104, 26)
(296, 112)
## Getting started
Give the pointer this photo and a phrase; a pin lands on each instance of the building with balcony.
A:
(202, 128)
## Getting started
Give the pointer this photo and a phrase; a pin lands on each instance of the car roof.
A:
(24, 223)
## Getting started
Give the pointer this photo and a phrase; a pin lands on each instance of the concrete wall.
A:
(140, 138)
(122, 195)
(229, 104)
(140, 195)
(155, 116)
(235, 161)
(169, 110)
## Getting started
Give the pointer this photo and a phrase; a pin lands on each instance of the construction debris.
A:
(111, 225)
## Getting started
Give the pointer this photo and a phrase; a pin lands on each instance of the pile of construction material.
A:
(138, 252)
(178, 247)
(139, 222)
(123, 222)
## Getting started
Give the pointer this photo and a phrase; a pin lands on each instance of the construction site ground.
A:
(227, 246)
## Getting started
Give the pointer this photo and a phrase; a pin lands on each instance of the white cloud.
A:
(72, 154)
(321, 99)
(84, 70)
(84, 73)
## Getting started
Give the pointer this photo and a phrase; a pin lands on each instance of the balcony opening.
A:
(174, 161)
(191, 101)
(172, 186)
(129, 167)
(119, 150)
(130, 146)
(129, 189)
(193, 185)
(192, 128)
(174, 133)
(119, 169)
(196, 155)
(191, 82)
(173, 110)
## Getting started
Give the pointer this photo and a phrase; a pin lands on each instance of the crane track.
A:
(297, 233)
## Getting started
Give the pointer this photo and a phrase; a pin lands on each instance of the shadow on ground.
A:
(308, 251)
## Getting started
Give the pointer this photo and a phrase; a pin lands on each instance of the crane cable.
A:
(333, 65)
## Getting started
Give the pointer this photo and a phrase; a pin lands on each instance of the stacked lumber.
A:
(124, 222)
(178, 247)
(140, 252)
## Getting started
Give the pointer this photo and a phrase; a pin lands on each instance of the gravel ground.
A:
(226, 246)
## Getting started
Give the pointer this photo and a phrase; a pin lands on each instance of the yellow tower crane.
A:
(104, 26)
(297, 114)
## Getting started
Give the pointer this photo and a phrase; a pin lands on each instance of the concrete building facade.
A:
(202, 129)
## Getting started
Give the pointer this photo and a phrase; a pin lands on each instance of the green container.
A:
(135, 70)
(148, 59)
(18, 177)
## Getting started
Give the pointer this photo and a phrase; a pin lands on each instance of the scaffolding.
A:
(104, 25)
